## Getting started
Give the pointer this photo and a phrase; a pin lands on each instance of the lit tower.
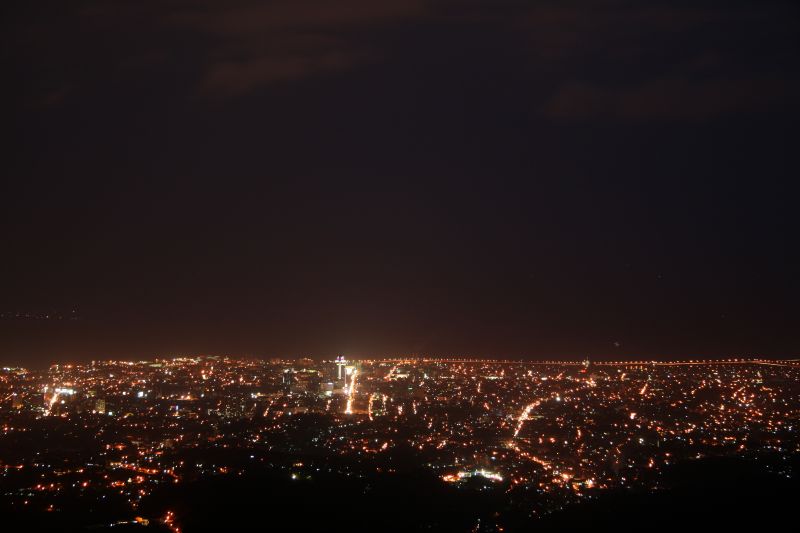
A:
(340, 364)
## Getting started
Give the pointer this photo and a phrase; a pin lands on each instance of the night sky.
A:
(378, 177)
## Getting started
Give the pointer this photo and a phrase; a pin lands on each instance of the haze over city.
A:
(484, 178)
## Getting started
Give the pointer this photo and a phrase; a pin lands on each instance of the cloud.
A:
(566, 53)
(233, 77)
(255, 44)
(661, 60)
(669, 99)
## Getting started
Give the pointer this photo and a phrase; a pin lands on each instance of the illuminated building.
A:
(288, 380)
(341, 363)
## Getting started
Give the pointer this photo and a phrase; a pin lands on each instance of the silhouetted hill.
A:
(710, 495)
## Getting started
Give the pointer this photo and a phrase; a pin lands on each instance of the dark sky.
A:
(519, 178)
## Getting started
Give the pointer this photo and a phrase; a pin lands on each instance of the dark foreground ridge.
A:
(733, 495)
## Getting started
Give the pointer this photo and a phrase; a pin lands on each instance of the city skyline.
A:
(140, 443)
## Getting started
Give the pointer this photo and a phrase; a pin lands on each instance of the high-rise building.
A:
(288, 380)
(100, 406)
(16, 402)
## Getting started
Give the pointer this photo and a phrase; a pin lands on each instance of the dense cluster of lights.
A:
(561, 431)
